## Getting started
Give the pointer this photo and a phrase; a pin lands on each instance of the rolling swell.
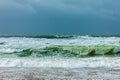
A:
(76, 46)
(59, 36)
(40, 36)
(72, 51)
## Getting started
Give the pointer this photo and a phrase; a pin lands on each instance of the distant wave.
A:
(59, 36)
(105, 35)
(40, 36)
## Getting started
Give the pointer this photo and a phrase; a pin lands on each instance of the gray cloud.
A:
(108, 8)
(14, 6)
(102, 8)
(57, 16)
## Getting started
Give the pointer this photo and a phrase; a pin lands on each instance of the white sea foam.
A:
(15, 43)
(60, 62)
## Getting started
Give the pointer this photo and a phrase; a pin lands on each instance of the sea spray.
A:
(73, 52)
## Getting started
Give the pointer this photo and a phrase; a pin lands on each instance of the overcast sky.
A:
(59, 16)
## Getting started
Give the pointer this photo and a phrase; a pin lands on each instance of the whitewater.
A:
(9, 46)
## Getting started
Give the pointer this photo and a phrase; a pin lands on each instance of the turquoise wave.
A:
(69, 51)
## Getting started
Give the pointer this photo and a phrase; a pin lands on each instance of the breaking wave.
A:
(62, 50)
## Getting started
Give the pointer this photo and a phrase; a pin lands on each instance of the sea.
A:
(31, 51)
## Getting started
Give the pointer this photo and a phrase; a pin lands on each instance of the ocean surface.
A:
(59, 51)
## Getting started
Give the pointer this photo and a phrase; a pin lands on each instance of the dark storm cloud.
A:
(59, 16)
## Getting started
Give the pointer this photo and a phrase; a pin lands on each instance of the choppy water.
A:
(113, 62)
(12, 45)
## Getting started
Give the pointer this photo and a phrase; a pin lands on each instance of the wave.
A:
(69, 47)
(105, 35)
(74, 51)
(68, 51)
(40, 36)
(60, 36)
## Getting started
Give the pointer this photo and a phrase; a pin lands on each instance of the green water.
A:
(67, 51)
